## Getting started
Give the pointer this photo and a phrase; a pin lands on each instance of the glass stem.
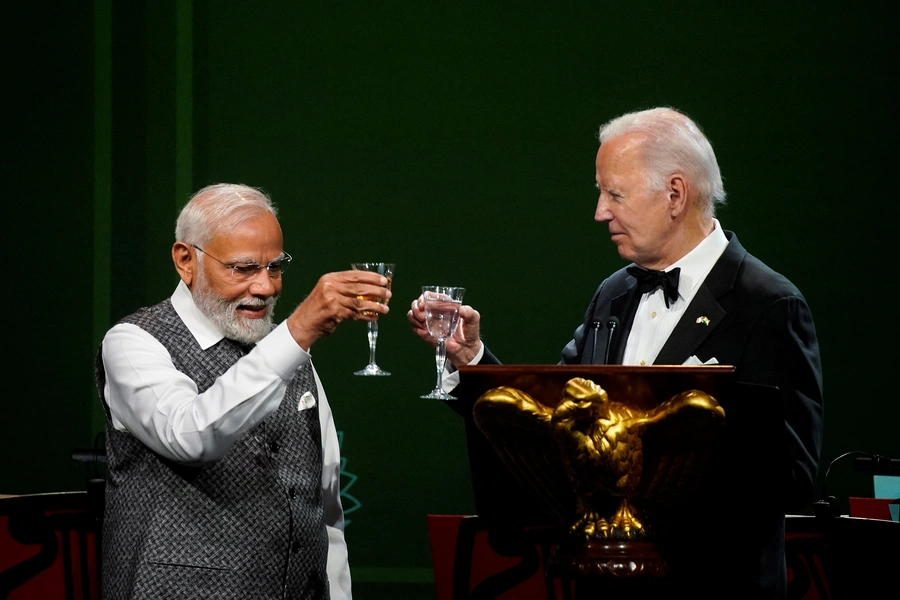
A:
(373, 338)
(440, 357)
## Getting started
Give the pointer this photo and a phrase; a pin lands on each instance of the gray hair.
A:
(219, 208)
(674, 144)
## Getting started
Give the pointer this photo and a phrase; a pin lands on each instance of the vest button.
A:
(273, 446)
(292, 492)
(295, 547)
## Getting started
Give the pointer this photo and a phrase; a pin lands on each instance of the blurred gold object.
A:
(597, 463)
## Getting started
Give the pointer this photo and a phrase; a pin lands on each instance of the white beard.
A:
(223, 313)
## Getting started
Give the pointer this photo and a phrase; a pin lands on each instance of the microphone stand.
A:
(866, 462)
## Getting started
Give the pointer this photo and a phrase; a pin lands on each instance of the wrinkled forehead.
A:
(226, 224)
(258, 235)
(624, 153)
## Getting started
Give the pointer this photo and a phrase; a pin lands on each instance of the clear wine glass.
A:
(441, 318)
(386, 269)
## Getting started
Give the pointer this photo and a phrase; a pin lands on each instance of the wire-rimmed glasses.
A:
(245, 271)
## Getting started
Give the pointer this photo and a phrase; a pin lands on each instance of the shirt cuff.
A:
(281, 352)
(450, 379)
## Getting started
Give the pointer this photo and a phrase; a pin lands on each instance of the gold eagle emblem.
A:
(595, 463)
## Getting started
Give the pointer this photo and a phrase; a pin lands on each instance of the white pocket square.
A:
(693, 360)
(307, 400)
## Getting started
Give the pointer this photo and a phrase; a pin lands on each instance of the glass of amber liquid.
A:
(386, 269)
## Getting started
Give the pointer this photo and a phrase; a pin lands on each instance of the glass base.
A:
(438, 394)
(372, 371)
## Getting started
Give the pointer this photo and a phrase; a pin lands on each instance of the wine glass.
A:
(441, 318)
(386, 269)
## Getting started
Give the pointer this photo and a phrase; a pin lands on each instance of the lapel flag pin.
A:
(704, 320)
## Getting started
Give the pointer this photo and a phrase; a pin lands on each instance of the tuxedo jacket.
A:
(746, 315)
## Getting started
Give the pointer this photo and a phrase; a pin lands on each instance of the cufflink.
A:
(307, 400)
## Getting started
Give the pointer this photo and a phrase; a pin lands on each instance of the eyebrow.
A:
(250, 261)
(610, 189)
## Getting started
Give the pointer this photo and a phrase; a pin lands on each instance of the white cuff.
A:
(450, 379)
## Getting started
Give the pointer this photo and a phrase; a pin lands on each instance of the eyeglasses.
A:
(247, 271)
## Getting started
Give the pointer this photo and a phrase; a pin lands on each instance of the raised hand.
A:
(466, 341)
(336, 297)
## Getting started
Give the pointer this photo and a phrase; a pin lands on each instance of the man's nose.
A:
(263, 284)
(602, 214)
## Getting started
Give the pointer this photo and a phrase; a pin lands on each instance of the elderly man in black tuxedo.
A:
(694, 295)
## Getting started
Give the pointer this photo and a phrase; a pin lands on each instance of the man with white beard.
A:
(223, 463)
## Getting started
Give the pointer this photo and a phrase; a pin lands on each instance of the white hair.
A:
(673, 144)
(219, 208)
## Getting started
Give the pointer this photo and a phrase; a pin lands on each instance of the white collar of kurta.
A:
(201, 328)
(696, 264)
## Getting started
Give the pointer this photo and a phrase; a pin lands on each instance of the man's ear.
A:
(185, 262)
(677, 188)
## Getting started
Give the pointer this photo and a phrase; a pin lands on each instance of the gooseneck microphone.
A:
(611, 325)
(863, 461)
(596, 328)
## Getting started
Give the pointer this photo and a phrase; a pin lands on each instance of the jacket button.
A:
(295, 547)
(292, 492)
(273, 446)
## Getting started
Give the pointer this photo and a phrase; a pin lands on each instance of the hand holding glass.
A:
(386, 269)
(441, 318)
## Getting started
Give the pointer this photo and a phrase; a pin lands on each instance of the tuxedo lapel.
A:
(610, 302)
(704, 313)
(700, 319)
(618, 308)
(619, 304)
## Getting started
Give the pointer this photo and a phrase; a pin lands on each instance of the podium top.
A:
(643, 387)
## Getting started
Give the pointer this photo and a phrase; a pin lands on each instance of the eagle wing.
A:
(677, 438)
(518, 426)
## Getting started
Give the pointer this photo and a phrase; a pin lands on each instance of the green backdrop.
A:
(457, 140)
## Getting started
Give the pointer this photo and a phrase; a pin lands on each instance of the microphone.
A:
(611, 325)
(877, 465)
(865, 462)
(596, 328)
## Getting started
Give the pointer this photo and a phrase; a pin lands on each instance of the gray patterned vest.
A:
(249, 526)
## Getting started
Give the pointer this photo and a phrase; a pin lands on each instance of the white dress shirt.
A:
(654, 321)
(161, 406)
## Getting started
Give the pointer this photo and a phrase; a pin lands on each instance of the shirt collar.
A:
(198, 324)
(696, 264)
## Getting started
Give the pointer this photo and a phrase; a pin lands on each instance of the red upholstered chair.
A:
(471, 561)
(50, 546)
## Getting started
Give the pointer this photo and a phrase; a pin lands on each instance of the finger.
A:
(354, 276)
(468, 313)
(370, 308)
(417, 312)
(330, 303)
(368, 292)
(365, 315)
(423, 333)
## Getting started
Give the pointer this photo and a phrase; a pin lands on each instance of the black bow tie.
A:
(648, 281)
